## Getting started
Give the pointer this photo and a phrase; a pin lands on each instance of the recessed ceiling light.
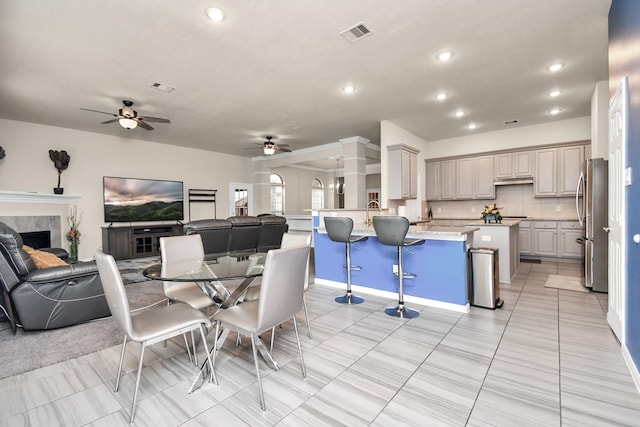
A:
(554, 93)
(459, 113)
(555, 67)
(348, 89)
(472, 126)
(215, 14)
(441, 96)
(555, 111)
(445, 56)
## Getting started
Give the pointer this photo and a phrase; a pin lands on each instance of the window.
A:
(241, 205)
(277, 194)
(317, 194)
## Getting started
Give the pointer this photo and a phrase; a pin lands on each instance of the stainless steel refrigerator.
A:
(592, 206)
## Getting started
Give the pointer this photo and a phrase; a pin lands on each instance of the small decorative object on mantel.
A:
(73, 235)
(60, 160)
(492, 214)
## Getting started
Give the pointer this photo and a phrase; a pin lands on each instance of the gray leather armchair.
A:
(51, 297)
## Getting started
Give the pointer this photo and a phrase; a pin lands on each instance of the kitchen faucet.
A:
(374, 204)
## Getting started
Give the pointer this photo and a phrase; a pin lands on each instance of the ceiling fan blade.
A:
(253, 148)
(110, 121)
(279, 148)
(155, 119)
(144, 125)
(96, 111)
(283, 145)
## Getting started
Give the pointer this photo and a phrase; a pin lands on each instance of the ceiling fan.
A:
(128, 117)
(269, 147)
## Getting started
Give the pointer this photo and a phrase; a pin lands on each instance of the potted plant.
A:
(60, 160)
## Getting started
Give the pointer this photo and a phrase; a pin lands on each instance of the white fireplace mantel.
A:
(33, 197)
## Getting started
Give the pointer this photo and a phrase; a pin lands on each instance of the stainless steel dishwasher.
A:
(485, 278)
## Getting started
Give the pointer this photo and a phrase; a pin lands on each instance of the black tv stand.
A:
(137, 240)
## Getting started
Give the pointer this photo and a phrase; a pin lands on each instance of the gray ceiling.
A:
(277, 67)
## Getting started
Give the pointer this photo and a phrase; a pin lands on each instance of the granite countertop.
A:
(425, 231)
(503, 223)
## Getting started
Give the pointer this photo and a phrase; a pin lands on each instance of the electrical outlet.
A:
(473, 209)
(486, 238)
(558, 208)
(395, 268)
(439, 210)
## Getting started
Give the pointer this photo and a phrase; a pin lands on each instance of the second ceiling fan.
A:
(269, 148)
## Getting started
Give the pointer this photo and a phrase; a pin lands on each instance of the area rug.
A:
(131, 269)
(568, 283)
(28, 350)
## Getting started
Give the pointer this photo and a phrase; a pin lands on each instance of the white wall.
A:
(600, 121)
(298, 181)
(526, 136)
(27, 167)
(391, 134)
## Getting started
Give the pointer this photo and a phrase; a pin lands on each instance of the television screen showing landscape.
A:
(134, 199)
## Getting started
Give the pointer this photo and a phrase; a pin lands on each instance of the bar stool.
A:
(392, 231)
(339, 230)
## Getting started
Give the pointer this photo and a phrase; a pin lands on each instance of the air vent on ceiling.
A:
(357, 32)
(162, 87)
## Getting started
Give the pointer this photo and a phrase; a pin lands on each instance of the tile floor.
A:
(546, 358)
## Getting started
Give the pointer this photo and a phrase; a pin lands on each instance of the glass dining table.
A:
(225, 280)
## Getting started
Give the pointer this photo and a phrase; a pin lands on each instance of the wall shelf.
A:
(33, 197)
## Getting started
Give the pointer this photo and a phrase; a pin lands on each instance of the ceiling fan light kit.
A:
(128, 123)
(269, 149)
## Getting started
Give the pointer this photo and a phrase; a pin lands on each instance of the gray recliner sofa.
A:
(239, 235)
(50, 297)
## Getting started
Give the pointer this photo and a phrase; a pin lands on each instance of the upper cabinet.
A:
(460, 179)
(403, 172)
(513, 165)
(557, 171)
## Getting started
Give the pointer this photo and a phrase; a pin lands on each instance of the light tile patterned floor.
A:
(546, 358)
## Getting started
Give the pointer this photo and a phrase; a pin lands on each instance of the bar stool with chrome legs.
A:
(392, 231)
(339, 230)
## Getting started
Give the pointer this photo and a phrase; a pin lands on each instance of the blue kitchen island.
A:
(440, 264)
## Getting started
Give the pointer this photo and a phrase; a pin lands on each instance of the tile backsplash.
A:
(514, 200)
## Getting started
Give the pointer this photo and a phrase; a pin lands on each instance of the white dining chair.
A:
(148, 326)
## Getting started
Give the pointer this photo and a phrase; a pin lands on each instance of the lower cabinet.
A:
(551, 239)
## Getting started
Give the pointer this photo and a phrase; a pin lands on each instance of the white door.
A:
(240, 199)
(618, 122)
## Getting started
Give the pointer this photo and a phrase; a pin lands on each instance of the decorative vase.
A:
(73, 250)
(58, 190)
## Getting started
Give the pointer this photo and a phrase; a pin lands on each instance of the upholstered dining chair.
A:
(281, 294)
(186, 253)
(149, 326)
(289, 240)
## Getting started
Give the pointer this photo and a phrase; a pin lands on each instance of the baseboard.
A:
(394, 296)
(633, 369)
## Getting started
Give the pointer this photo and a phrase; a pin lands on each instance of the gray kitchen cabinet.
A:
(432, 188)
(569, 232)
(404, 159)
(465, 174)
(557, 171)
(545, 237)
(484, 176)
(513, 165)
(447, 180)
(524, 238)
(545, 180)
(570, 165)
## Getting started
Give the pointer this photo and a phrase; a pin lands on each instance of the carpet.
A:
(29, 350)
(568, 283)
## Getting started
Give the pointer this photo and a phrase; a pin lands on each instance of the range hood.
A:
(514, 181)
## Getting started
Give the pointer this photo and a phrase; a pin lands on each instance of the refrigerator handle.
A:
(580, 212)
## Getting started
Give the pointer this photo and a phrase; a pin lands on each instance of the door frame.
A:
(233, 186)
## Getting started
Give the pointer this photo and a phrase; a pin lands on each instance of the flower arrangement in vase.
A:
(73, 235)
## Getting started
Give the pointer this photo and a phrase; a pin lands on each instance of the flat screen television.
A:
(136, 199)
